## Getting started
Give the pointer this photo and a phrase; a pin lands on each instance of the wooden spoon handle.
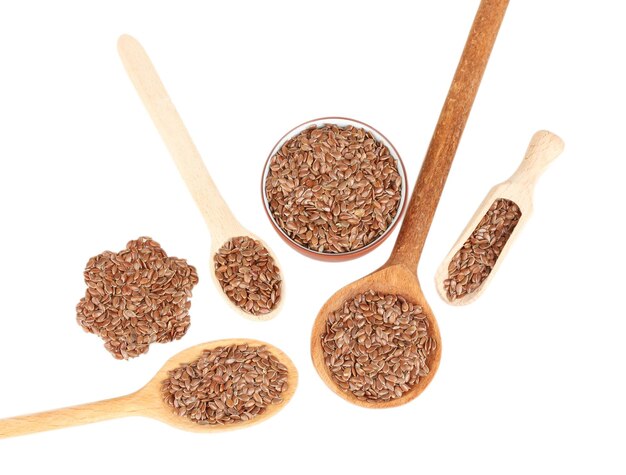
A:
(542, 149)
(447, 135)
(69, 416)
(146, 80)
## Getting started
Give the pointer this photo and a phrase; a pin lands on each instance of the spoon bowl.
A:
(148, 401)
(390, 279)
(220, 240)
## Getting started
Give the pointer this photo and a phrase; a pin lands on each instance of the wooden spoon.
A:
(147, 401)
(399, 274)
(543, 148)
(222, 224)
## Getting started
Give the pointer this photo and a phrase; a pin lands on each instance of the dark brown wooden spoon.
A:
(399, 274)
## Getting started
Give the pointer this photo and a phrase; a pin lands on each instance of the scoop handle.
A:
(447, 135)
(145, 78)
(70, 416)
(544, 147)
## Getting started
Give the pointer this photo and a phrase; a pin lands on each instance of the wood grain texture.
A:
(147, 402)
(399, 274)
(169, 124)
(71, 416)
(220, 220)
(447, 135)
(543, 148)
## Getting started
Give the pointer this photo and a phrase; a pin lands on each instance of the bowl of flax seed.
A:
(334, 188)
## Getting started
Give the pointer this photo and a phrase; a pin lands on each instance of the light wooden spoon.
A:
(543, 148)
(399, 274)
(147, 401)
(221, 222)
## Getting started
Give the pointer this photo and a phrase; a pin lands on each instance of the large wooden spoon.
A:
(399, 274)
(148, 401)
(221, 222)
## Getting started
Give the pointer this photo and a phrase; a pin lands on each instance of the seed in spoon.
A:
(376, 346)
(136, 297)
(226, 385)
(473, 263)
(248, 275)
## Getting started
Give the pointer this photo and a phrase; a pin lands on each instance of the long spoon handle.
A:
(447, 135)
(70, 416)
(146, 80)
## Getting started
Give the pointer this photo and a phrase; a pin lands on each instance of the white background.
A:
(532, 375)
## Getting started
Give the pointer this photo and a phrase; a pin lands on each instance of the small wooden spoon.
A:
(399, 274)
(221, 222)
(147, 401)
(543, 148)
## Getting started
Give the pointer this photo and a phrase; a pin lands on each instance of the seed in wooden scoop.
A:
(226, 385)
(471, 265)
(136, 297)
(248, 275)
(376, 346)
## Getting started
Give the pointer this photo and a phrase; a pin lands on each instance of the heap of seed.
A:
(226, 385)
(248, 275)
(471, 265)
(333, 189)
(136, 297)
(376, 346)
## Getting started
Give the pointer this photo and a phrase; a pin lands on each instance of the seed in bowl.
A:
(472, 264)
(136, 297)
(248, 275)
(376, 346)
(226, 385)
(333, 189)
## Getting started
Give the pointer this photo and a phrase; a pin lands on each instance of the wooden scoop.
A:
(399, 274)
(147, 401)
(221, 222)
(543, 148)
